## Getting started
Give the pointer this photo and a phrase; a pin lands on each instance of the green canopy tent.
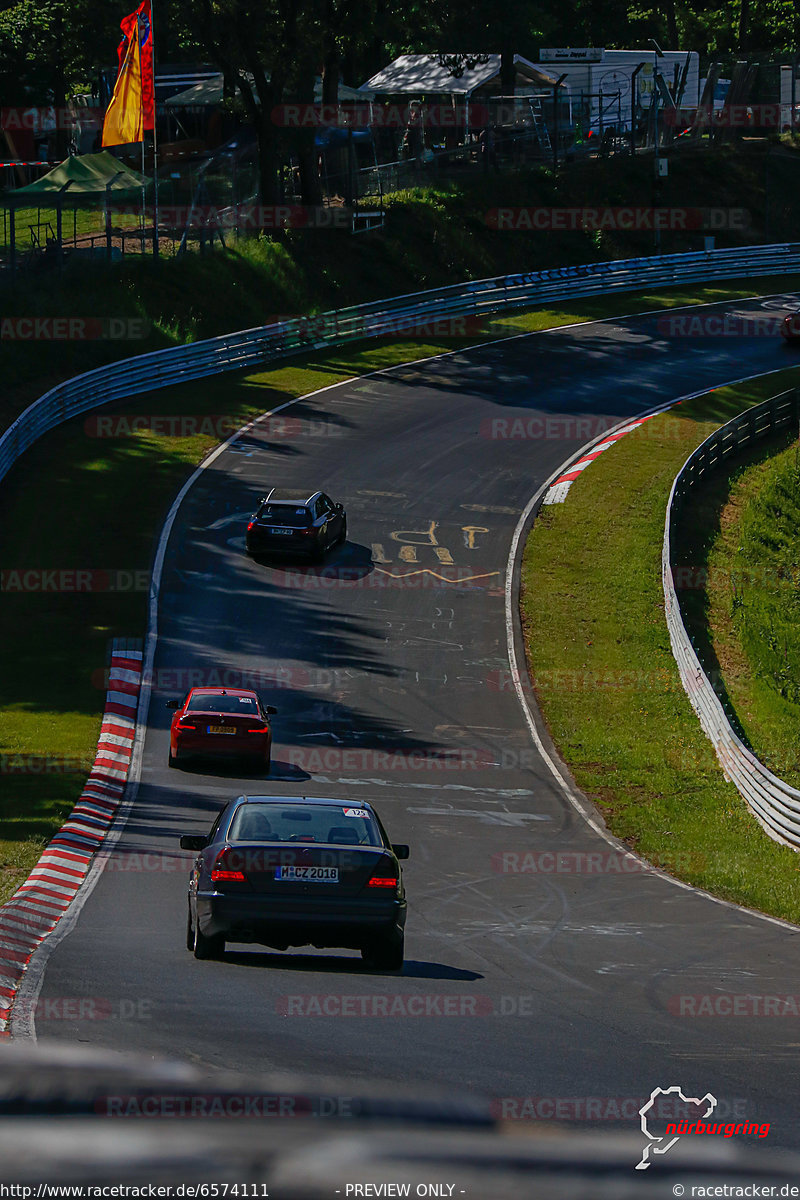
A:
(79, 178)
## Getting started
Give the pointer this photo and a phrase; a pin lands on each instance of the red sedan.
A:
(221, 721)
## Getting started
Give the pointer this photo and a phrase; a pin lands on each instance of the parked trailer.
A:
(600, 81)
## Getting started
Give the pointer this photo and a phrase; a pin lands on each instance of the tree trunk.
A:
(330, 76)
(672, 25)
(267, 140)
(743, 34)
(308, 160)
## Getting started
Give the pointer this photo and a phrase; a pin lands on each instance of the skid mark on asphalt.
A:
(515, 820)
(428, 787)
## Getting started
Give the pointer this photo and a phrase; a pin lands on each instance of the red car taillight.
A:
(224, 871)
(185, 723)
(260, 729)
(250, 525)
(386, 876)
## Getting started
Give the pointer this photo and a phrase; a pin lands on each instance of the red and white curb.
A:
(39, 904)
(557, 492)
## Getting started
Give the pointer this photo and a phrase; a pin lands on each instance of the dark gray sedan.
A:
(282, 872)
(300, 523)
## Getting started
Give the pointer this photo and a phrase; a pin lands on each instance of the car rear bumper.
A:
(220, 746)
(272, 921)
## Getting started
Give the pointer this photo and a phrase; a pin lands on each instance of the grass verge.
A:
(747, 617)
(87, 490)
(605, 678)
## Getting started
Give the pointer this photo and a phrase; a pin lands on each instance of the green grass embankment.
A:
(605, 677)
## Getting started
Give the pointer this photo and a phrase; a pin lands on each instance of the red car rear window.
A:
(213, 702)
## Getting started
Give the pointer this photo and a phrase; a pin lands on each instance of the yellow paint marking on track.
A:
(436, 575)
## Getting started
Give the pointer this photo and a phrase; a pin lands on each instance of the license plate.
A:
(307, 874)
(286, 532)
(220, 729)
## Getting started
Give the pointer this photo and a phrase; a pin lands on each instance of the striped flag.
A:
(132, 107)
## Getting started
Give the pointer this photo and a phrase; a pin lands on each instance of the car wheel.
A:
(172, 760)
(318, 553)
(189, 929)
(207, 947)
(386, 955)
(342, 538)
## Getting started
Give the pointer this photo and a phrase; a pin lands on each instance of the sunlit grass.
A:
(607, 682)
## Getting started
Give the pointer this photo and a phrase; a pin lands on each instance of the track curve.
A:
(395, 685)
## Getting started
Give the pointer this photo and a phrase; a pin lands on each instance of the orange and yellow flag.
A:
(132, 107)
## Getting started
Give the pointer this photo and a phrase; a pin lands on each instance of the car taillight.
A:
(224, 870)
(260, 729)
(385, 877)
(185, 723)
(250, 525)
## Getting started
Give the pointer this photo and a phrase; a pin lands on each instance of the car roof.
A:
(289, 496)
(220, 691)
(324, 800)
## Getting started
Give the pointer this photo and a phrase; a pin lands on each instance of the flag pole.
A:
(155, 135)
(141, 118)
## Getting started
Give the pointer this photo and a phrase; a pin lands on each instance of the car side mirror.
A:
(399, 850)
(173, 703)
(193, 841)
(271, 709)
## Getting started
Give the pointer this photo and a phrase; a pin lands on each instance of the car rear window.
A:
(285, 514)
(347, 825)
(211, 702)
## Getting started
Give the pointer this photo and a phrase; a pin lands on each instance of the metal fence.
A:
(397, 316)
(775, 804)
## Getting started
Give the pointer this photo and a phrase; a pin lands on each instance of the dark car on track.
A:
(221, 722)
(790, 327)
(283, 872)
(296, 522)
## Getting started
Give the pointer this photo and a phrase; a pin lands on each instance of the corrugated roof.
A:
(420, 74)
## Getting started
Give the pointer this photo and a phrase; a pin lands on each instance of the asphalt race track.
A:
(390, 671)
